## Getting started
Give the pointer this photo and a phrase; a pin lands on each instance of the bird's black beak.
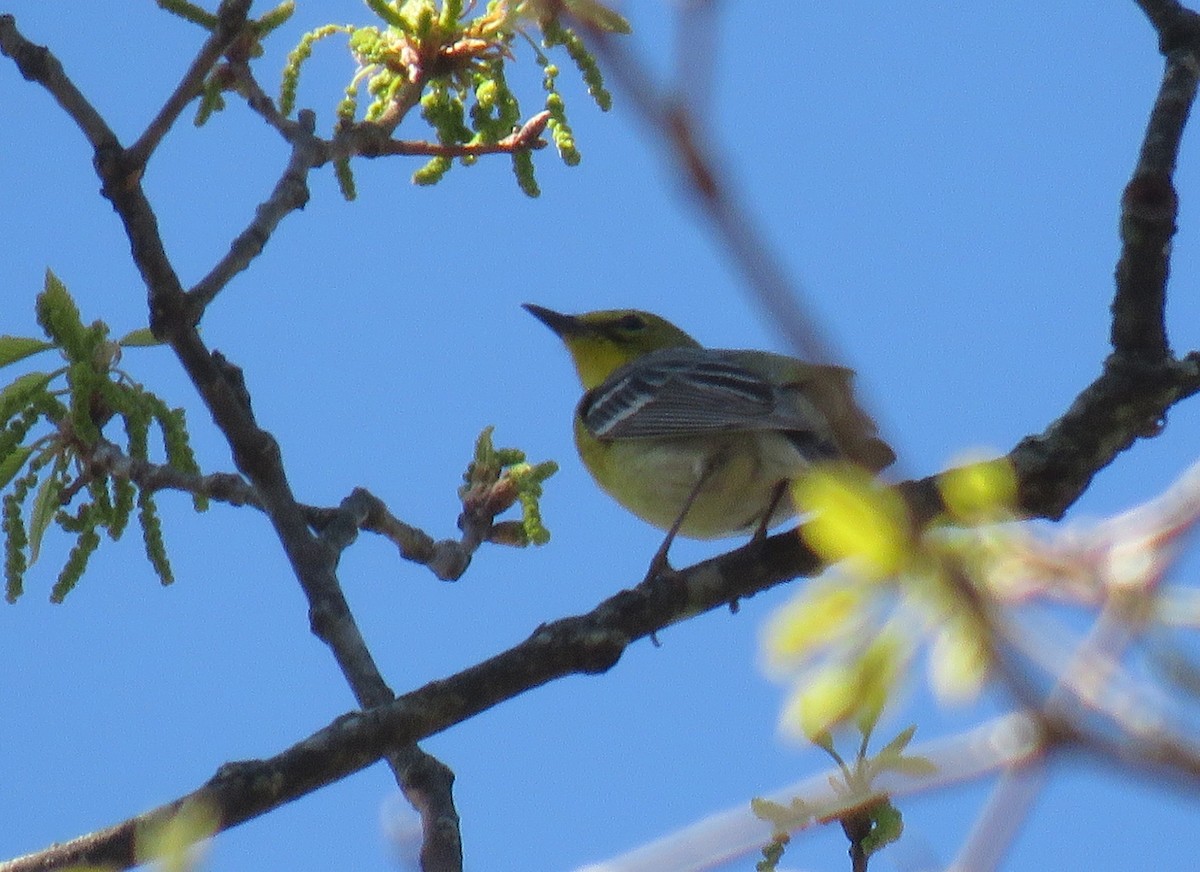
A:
(562, 325)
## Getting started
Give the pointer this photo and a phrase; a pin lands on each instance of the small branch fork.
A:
(338, 527)
(370, 139)
(1130, 399)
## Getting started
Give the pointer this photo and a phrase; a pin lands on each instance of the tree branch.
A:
(231, 21)
(525, 137)
(448, 559)
(290, 194)
(37, 64)
(1055, 467)
(226, 487)
(1150, 205)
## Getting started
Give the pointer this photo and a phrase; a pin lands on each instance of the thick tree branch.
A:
(1055, 467)
(1149, 205)
(1174, 23)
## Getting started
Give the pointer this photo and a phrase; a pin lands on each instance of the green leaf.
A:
(878, 670)
(783, 818)
(823, 739)
(826, 699)
(982, 491)
(898, 744)
(821, 614)
(16, 395)
(451, 11)
(14, 348)
(12, 464)
(914, 765)
(958, 662)
(59, 318)
(45, 505)
(888, 827)
(599, 15)
(171, 844)
(390, 15)
(140, 338)
(190, 12)
(856, 518)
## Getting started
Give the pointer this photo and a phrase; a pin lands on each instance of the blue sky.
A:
(943, 181)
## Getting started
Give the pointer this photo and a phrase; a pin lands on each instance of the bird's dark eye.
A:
(631, 322)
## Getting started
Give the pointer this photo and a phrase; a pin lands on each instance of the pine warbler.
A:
(700, 441)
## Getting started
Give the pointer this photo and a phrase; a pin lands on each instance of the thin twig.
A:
(225, 487)
(289, 194)
(526, 137)
(230, 22)
(448, 559)
(259, 101)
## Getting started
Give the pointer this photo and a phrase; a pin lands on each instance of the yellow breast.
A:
(654, 477)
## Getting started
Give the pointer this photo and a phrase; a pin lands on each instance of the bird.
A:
(702, 442)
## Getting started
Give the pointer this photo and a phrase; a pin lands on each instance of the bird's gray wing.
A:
(691, 392)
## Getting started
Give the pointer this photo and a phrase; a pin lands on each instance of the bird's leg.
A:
(760, 532)
(659, 565)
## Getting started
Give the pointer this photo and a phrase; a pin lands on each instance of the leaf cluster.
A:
(430, 53)
(249, 45)
(849, 638)
(52, 424)
(868, 816)
(496, 479)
